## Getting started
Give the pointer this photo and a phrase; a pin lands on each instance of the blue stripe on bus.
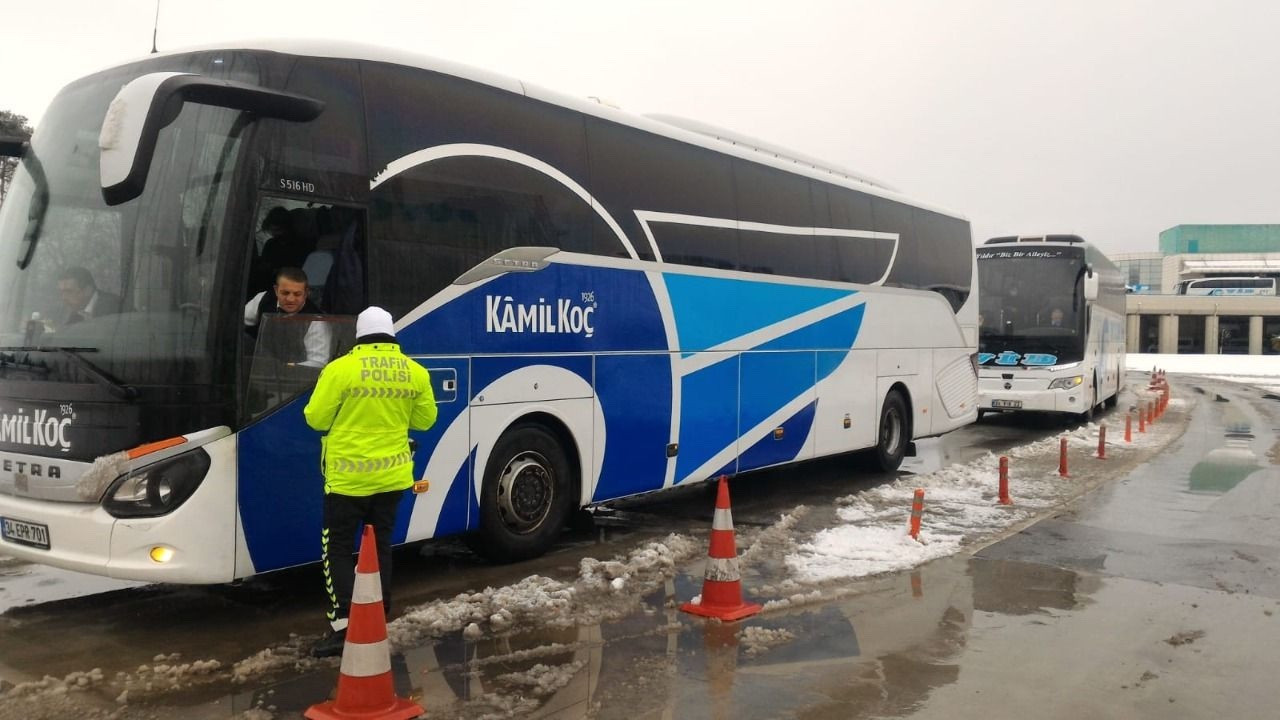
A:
(635, 396)
(768, 451)
(486, 370)
(710, 311)
(708, 414)
(281, 493)
(624, 315)
(834, 333)
(770, 381)
(454, 513)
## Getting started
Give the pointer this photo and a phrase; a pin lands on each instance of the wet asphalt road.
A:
(1154, 596)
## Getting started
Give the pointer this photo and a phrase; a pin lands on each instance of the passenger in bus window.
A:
(304, 343)
(83, 298)
(286, 246)
(1055, 317)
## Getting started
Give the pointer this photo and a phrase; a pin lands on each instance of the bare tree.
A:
(11, 125)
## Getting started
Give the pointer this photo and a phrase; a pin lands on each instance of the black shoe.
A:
(330, 645)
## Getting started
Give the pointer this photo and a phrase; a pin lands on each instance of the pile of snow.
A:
(960, 508)
(604, 590)
(543, 680)
(757, 641)
(1260, 370)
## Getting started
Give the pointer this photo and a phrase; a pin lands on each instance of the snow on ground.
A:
(603, 590)
(1260, 370)
(960, 507)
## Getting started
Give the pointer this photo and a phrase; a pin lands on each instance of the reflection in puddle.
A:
(1018, 588)
(1225, 467)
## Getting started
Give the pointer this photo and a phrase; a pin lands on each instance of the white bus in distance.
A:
(1227, 286)
(1052, 326)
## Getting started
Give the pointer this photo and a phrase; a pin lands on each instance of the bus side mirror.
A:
(1090, 285)
(149, 103)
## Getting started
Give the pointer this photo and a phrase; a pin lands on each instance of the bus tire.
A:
(525, 499)
(1087, 415)
(893, 433)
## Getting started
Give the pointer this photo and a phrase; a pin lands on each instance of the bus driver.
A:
(308, 347)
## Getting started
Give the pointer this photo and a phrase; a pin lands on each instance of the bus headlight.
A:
(1067, 383)
(157, 488)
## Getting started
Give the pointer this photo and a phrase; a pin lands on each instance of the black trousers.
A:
(344, 519)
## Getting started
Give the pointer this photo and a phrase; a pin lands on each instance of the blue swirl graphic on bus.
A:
(1008, 358)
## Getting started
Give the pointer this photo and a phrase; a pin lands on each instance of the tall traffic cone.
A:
(722, 583)
(365, 686)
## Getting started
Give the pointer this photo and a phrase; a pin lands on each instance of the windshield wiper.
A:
(121, 390)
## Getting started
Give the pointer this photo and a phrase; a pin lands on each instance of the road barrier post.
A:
(917, 510)
(1004, 481)
(1062, 457)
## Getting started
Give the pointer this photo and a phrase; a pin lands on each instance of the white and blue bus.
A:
(608, 304)
(1052, 310)
(1227, 286)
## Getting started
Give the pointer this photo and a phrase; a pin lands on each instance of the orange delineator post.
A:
(917, 510)
(1062, 457)
(722, 583)
(1128, 427)
(366, 689)
(1102, 442)
(1142, 418)
(1004, 481)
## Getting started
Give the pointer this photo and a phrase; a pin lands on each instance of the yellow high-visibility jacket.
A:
(367, 401)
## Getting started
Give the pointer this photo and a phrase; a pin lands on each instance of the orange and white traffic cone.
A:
(365, 687)
(722, 583)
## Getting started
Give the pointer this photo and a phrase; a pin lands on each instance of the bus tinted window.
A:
(324, 157)
(435, 221)
(632, 170)
(894, 217)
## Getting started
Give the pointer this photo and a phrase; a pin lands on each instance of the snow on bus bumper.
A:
(1030, 394)
(195, 543)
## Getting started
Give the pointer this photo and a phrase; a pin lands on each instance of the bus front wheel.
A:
(893, 433)
(525, 499)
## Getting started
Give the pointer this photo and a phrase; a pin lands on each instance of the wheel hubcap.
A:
(526, 490)
(891, 432)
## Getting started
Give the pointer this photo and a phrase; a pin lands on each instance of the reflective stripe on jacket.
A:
(367, 401)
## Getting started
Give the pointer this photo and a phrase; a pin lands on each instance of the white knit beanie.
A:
(374, 321)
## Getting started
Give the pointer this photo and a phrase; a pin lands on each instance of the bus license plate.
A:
(1014, 404)
(25, 533)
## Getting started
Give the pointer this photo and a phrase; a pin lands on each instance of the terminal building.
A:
(1241, 315)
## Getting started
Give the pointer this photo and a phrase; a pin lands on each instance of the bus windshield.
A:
(1030, 302)
(115, 295)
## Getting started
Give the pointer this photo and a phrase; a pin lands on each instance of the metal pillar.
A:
(1255, 335)
(1133, 325)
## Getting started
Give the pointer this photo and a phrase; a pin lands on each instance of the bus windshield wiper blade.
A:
(119, 389)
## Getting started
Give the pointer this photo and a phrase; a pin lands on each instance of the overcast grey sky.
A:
(1113, 119)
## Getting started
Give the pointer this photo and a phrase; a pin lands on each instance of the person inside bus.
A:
(285, 245)
(83, 299)
(1055, 317)
(305, 344)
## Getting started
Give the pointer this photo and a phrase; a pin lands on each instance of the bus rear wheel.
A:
(893, 432)
(525, 499)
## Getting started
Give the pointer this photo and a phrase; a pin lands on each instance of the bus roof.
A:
(706, 137)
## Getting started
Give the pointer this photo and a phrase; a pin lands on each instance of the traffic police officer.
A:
(366, 401)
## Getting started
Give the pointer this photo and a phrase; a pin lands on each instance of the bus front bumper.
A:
(1028, 395)
(85, 538)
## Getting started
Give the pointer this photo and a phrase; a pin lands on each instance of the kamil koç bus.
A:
(608, 304)
(1053, 326)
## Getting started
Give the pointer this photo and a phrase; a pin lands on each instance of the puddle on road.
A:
(878, 650)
